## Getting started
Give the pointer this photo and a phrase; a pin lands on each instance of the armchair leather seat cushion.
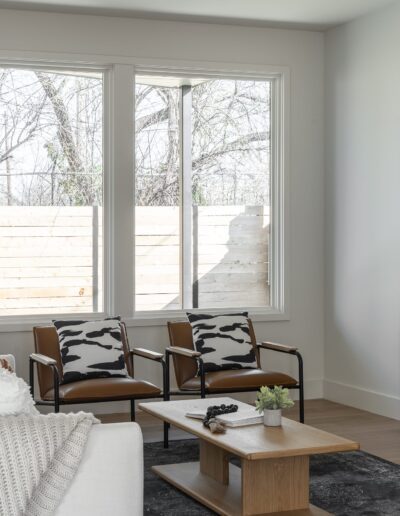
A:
(239, 379)
(104, 389)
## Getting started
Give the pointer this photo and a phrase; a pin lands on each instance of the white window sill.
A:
(141, 319)
(160, 318)
(24, 324)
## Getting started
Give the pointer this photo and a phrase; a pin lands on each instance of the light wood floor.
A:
(377, 434)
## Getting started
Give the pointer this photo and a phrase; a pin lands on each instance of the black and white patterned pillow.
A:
(91, 349)
(223, 340)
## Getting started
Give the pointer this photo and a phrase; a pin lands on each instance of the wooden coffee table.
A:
(274, 473)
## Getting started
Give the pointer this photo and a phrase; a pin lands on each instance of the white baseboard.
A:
(365, 399)
(313, 389)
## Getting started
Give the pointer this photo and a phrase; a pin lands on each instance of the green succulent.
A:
(273, 399)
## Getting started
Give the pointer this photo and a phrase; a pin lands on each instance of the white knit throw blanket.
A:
(39, 456)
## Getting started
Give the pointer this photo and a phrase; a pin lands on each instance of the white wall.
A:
(301, 51)
(362, 348)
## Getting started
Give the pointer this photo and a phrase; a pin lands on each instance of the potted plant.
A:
(271, 402)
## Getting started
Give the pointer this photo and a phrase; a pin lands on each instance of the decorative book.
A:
(196, 414)
(241, 418)
(235, 419)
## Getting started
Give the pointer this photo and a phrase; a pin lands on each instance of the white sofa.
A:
(109, 481)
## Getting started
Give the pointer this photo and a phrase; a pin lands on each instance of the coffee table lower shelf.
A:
(224, 499)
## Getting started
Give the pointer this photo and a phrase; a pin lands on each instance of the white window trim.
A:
(23, 323)
(279, 294)
(118, 183)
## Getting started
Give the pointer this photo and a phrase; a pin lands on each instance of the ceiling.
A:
(306, 14)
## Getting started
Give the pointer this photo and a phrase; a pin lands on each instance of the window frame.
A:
(279, 239)
(118, 159)
(17, 322)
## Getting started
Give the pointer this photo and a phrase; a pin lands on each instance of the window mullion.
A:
(122, 191)
(186, 196)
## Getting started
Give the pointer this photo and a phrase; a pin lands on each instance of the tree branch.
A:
(229, 147)
(149, 120)
(64, 130)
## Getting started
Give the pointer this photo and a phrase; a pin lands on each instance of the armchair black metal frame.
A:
(195, 355)
(38, 358)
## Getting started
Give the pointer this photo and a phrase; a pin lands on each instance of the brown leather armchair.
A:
(187, 362)
(47, 357)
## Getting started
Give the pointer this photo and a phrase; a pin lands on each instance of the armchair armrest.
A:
(156, 357)
(43, 359)
(38, 358)
(147, 353)
(291, 350)
(189, 353)
(283, 348)
(185, 352)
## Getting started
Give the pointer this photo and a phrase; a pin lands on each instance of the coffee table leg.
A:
(214, 462)
(274, 485)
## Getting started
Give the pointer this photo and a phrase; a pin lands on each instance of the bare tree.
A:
(230, 133)
(54, 123)
(19, 124)
(64, 128)
(50, 138)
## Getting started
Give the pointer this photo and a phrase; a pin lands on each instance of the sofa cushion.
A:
(109, 480)
(91, 349)
(223, 340)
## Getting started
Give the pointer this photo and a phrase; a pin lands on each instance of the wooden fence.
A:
(51, 258)
(230, 256)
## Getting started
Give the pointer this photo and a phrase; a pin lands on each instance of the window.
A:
(203, 193)
(207, 156)
(51, 191)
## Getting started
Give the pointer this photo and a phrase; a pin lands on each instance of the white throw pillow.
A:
(8, 362)
(91, 349)
(223, 340)
(15, 395)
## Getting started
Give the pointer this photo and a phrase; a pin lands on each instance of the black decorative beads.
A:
(218, 410)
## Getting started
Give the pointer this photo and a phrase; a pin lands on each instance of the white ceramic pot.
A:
(272, 417)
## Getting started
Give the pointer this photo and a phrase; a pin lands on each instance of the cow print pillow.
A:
(91, 349)
(223, 341)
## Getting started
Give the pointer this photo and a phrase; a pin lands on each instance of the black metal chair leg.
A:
(56, 391)
(301, 387)
(166, 435)
(301, 404)
(167, 393)
(202, 379)
(31, 377)
(133, 415)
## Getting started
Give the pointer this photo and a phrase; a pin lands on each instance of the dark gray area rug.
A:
(344, 484)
